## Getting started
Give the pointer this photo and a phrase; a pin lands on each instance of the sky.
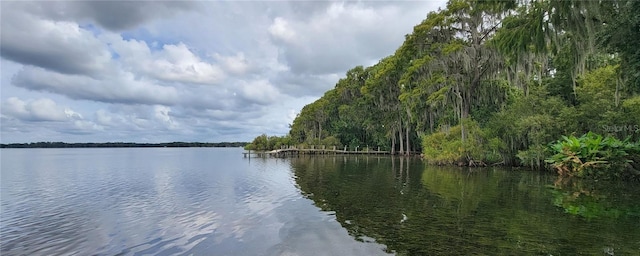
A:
(203, 71)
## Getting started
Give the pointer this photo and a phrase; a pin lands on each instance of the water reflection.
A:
(595, 199)
(422, 210)
(48, 230)
(173, 201)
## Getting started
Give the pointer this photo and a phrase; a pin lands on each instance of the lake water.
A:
(212, 201)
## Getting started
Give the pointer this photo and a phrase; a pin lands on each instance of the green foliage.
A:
(597, 99)
(534, 156)
(526, 72)
(627, 121)
(621, 36)
(265, 143)
(595, 156)
(448, 147)
(330, 142)
(259, 143)
(528, 124)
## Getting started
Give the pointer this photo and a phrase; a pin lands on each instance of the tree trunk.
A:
(462, 133)
(431, 117)
(466, 105)
(617, 94)
(462, 107)
(393, 142)
(408, 127)
(407, 137)
(401, 138)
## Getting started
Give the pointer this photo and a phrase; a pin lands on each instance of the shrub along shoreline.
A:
(596, 157)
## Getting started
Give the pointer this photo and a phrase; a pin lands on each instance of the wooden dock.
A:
(285, 152)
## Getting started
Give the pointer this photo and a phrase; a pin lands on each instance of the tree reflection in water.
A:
(415, 209)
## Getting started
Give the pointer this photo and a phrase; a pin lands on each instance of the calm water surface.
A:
(416, 209)
(212, 201)
(161, 201)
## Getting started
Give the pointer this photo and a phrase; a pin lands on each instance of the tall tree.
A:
(621, 34)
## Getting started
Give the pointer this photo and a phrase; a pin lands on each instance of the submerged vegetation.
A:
(496, 82)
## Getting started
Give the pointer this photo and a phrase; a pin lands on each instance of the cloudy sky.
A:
(209, 71)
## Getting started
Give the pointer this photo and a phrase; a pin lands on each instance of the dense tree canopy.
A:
(508, 77)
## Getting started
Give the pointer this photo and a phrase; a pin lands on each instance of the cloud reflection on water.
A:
(196, 201)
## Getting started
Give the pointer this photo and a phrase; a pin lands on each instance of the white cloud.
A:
(112, 15)
(14, 107)
(37, 110)
(236, 64)
(259, 92)
(72, 114)
(293, 113)
(281, 30)
(177, 63)
(46, 110)
(60, 46)
(345, 35)
(88, 127)
(104, 118)
(124, 87)
(163, 116)
(190, 71)
(173, 63)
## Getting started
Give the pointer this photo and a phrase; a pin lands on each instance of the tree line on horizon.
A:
(487, 82)
(121, 145)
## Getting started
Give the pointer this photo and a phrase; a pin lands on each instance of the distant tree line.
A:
(122, 145)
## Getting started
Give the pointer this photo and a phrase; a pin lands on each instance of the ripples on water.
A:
(208, 201)
(198, 201)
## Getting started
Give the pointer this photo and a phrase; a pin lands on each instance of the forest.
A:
(542, 84)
